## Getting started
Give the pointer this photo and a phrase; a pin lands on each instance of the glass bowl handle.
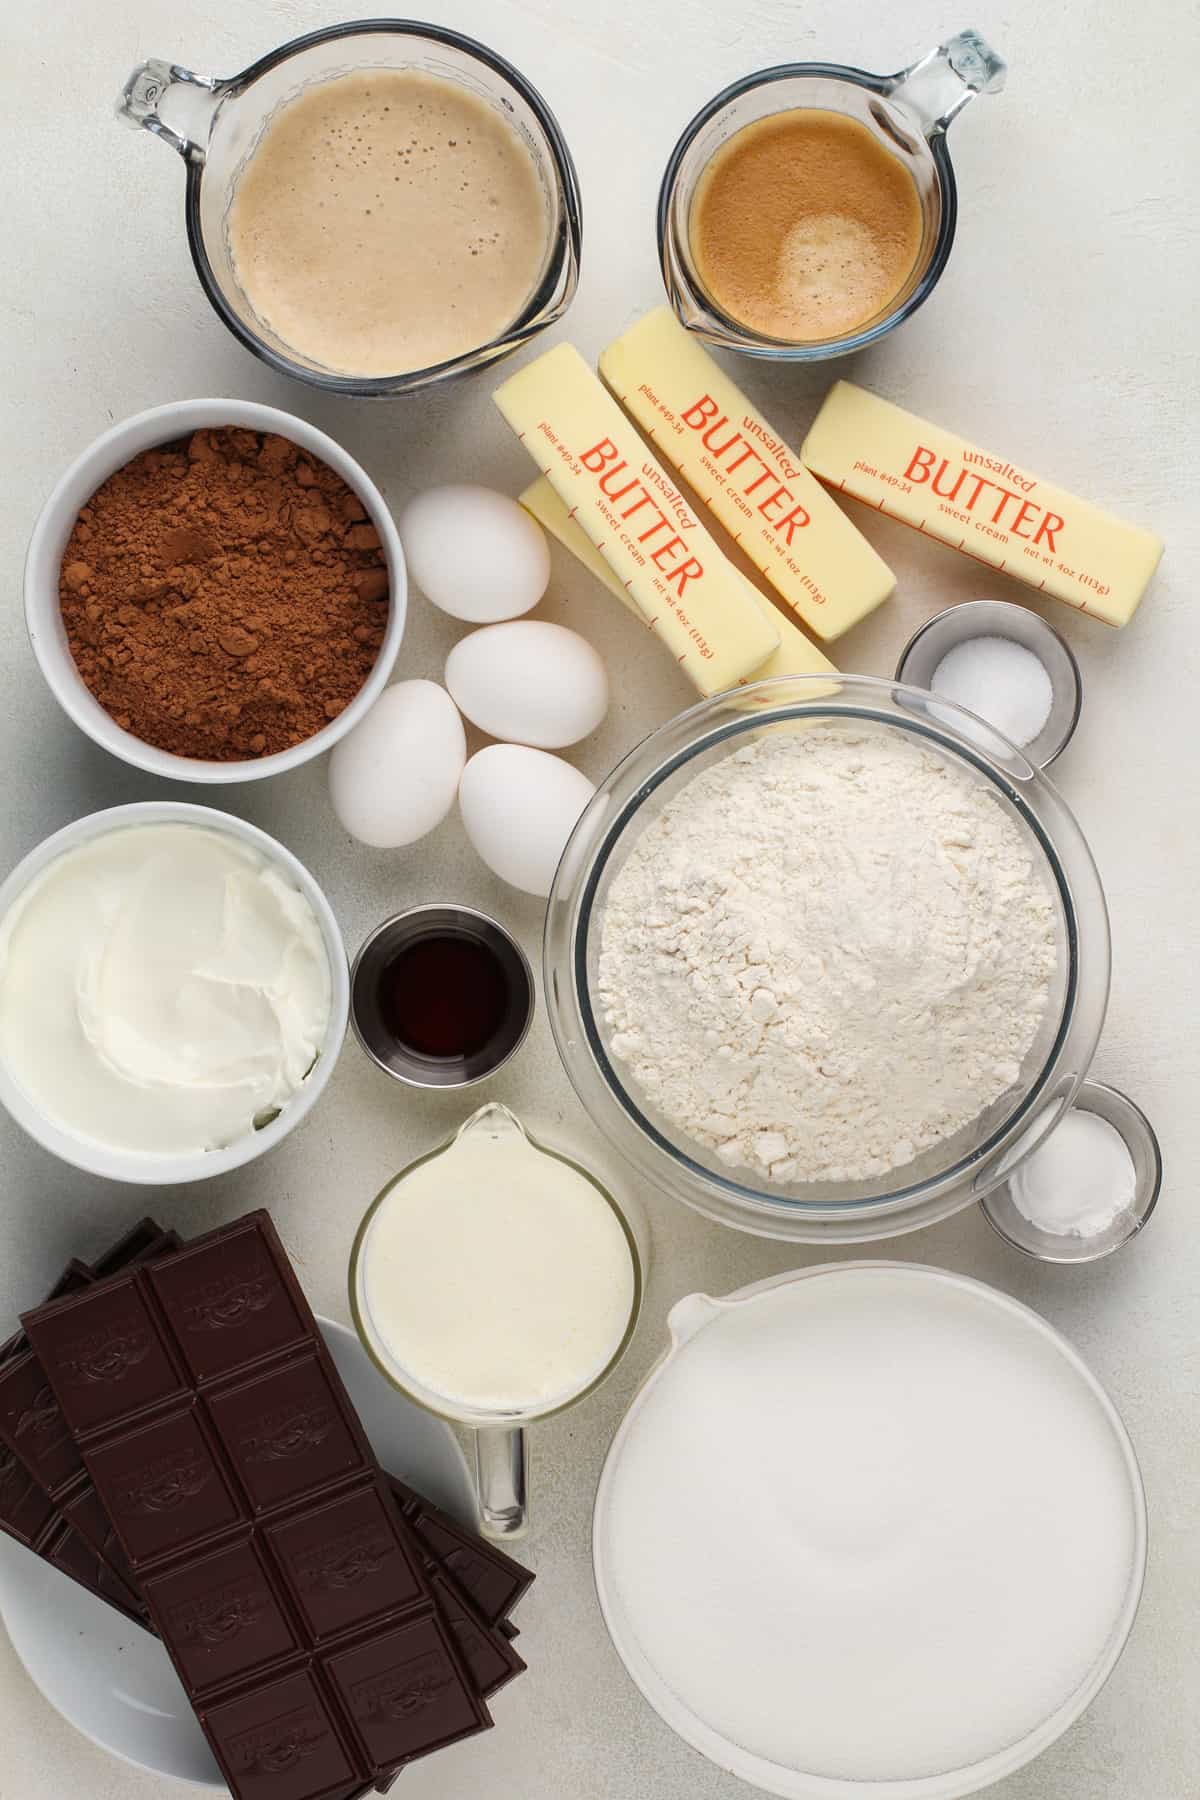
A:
(189, 98)
(935, 89)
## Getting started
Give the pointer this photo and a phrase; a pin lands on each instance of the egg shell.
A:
(475, 553)
(519, 807)
(394, 777)
(529, 682)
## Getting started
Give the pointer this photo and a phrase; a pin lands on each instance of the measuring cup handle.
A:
(500, 1469)
(936, 88)
(188, 97)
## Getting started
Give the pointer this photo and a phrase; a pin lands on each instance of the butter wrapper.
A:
(633, 514)
(782, 519)
(981, 503)
(796, 655)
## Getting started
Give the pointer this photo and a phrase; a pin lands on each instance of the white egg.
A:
(475, 553)
(394, 777)
(529, 682)
(518, 807)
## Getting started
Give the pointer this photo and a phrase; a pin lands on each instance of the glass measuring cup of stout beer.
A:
(496, 1282)
(891, 132)
(224, 128)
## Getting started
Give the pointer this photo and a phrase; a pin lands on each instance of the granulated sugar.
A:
(1000, 680)
(871, 1526)
(1079, 1181)
(831, 951)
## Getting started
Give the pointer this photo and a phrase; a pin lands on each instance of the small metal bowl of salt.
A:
(1087, 1188)
(1004, 663)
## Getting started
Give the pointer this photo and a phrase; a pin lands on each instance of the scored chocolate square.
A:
(345, 1563)
(402, 1692)
(163, 1487)
(223, 1615)
(105, 1354)
(33, 1426)
(287, 1434)
(227, 1304)
(281, 1742)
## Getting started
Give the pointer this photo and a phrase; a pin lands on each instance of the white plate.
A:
(111, 1680)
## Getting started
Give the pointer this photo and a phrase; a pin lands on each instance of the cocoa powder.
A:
(225, 596)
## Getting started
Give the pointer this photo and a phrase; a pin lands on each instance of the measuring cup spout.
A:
(173, 103)
(937, 87)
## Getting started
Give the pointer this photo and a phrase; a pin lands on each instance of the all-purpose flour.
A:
(830, 951)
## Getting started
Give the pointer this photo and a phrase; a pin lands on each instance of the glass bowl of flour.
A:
(825, 959)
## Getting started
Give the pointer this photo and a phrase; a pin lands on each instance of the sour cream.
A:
(163, 988)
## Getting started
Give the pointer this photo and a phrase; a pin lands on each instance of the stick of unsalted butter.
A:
(795, 655)
(813, 556)
(981, 504)
(637, 519)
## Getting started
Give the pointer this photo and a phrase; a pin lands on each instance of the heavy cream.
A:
(495, 1277)
(163, 989)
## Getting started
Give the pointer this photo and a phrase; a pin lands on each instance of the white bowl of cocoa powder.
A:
(215, 591)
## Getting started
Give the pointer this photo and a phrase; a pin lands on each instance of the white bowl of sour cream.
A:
(173, 993)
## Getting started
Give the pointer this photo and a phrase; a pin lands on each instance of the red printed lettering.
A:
(1025, 511)
(599, 456)
(1049, 525)
(780, 497)
(794, 521)
(665, 550)
(948, 493)
(687, 571)
(711, 434)
(1005, 497)
(922, 461)
(610, 475)
(697, 416)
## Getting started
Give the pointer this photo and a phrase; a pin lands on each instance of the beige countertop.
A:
(1062, 329)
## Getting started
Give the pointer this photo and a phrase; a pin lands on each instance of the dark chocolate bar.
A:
(30, 1516)
(485, 1645)
(27, 1511)
(490, 1658)
(73, 1554)
(490, 1664)
(230, 1461)
(31, 1425)
(493, 1581)
(143, 1240)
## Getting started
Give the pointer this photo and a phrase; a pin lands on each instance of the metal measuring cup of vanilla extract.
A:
(441, 996)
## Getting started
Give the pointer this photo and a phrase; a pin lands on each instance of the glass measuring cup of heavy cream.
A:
(372, 207)
(495, 1282)
(810, 208)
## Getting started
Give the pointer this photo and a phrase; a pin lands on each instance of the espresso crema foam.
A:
(387, 221)
(804, 226)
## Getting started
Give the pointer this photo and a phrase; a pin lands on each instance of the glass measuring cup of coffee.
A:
(496, 1281)
(373, 207)
(810, 208)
